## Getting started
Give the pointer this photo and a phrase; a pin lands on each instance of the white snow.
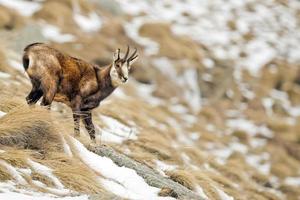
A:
(181, 136)
(223, 195)
(260, 53)
(208, 63)
(192, 93)
(221, 154)
(145, 92)
(54, 34)
(188, 80)
(249, 127)
(207, 23)
(293, 181)
(37, 196)
(16, 64)
(200, 192)
(4, 75)
(67, 148)
(2, 113)
(25, 8)
(60, 190)
(132, 29)
(14, 173)
(118, 189)
(260, 162)
(90, 23)
(46, 171)
(268, 105)
(115, 131)
(162, 166)
(128, 178)
(257, 142)
(24, 171)
(238, 147)
(283, 98)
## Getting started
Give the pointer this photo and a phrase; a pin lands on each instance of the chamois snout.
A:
(124, 79)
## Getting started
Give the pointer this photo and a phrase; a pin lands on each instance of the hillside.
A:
(211, 109)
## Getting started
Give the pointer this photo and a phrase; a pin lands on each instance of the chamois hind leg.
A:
(88, 123)
(49, 86)
(35, 94)
(75, 105)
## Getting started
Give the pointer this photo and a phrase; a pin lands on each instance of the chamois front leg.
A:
(76, 118)
(88, 123)
(35, 94)
(49, 86)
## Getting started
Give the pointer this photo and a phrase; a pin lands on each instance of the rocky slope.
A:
(213, 103)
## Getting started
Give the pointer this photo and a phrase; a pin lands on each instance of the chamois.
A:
(56, 76)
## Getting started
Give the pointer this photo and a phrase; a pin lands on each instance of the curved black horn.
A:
(119, 54)
(133, 56)
(127, 52)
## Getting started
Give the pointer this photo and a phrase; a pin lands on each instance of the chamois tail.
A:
(25, 61)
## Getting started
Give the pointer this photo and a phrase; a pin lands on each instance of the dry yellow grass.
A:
(16, 157)
(183, 177)
(172, 46)
(22, 128)
(4, 175)
(74, 174)
(25, 136)
(165, 192)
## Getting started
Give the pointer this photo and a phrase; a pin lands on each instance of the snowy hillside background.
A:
(213, 102)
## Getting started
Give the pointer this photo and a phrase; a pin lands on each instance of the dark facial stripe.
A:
(119, 71)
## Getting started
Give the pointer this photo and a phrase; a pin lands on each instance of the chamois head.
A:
(120, 67)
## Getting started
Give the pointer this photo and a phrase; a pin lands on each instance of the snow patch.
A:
(132, 29)
(4, 75)
(115, 131)
(46, 171)
(67, 148)
(223, 195)
(249, 127)
(14, 173)
(162, 166)
(260, 162)
(17, 65)
(128, 178)
(37, 196)
(2, 114)
(200, 192)
(25, 8)
(283, 98)
(54, 34)
(145, 92)
(293, 181)
(90, 23)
